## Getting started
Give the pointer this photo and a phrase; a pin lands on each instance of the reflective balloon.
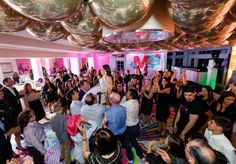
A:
(10, 20)
(198, 20)
(45, 10)
(46, 31)
(83, 22)
(120, 13)
(82, 40)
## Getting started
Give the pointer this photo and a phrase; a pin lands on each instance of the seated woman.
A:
(171, 145)
(105, 84)
(108, 148)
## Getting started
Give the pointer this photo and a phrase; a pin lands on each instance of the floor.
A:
(53, 148)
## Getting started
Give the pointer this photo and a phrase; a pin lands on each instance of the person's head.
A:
(160, 74)
(198, 136)
(74, 95)
(46, 80)
(168, 73)
(75, 77)
(25, 117)
(56, 107)
(219, 124)
(1, 94)
(119, 87)
(84, 84)
(90, 99)
(105, 141)
(189, 92)
(199, 152)
(60, 85)
(227, 98)
(138, 71)
(105, 70)
(59, 74)
(8, 82)
(132, 94)
(164, 81)
(114, 98)
(127, 72)
(175, 146)
(148, 82)
(206, 91)
(68, 84)
(28, 88)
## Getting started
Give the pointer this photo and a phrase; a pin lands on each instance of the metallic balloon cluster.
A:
(199, 23)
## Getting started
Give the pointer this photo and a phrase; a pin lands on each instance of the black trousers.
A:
(130, 138)
(37, 156)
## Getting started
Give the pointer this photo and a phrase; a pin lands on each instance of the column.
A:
(36, 68)
(91, 62)
(66, 62)
(74, 65)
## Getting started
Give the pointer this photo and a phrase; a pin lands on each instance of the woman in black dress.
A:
(32, 100)
(146, 103)
(62, 97)
(49, 93)
(163, 103)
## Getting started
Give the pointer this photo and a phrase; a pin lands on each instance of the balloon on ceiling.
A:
(10, 20)
(45, 10)
(199, 23)
(46, 31)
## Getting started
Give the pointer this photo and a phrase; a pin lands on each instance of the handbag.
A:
(72, 123)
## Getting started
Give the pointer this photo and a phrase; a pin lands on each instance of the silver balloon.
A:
(46, 31)
(82, 40)
(198, 19)
(45, 10)
(120, 13)
(10, 20)
(82, 22)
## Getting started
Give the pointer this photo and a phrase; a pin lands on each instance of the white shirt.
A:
(132, 110)
(75, 107)
(221, 144)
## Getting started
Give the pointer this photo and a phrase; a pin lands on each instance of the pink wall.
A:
(58, 63)
(23, 65)
(100, 60)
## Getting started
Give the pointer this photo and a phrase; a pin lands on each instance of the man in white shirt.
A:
(132, 122)
(216, 138)
(75, 106)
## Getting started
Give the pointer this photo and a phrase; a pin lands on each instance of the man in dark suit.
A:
(84, 88)
(12, 96)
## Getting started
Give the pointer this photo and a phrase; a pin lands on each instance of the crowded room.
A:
(117, 82)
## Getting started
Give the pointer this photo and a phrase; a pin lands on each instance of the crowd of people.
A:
(101, 112)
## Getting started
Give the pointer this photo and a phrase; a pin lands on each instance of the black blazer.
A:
(13, 100)
(81, 94)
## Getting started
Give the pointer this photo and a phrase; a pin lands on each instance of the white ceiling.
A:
(22, 45)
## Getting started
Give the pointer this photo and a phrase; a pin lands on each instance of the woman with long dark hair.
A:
(32, 100)
(49, 93)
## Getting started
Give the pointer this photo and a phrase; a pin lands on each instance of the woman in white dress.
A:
(105, 83)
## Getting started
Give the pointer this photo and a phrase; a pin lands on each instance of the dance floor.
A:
(146, 135)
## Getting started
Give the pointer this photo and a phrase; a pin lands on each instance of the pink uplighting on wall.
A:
(23, 66)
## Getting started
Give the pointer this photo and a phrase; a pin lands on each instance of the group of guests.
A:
(110, 108)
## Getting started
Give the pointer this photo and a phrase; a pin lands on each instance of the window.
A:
(179, 62)
(119, 65)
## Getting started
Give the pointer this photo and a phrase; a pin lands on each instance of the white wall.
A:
(13, 63)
